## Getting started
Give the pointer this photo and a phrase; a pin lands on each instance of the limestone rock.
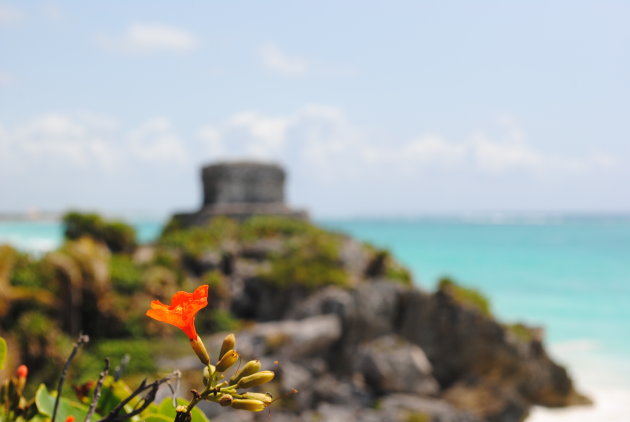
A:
(392, 365)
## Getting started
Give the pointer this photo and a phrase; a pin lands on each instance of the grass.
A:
(310, 261)
(466, 296)
(521, 331)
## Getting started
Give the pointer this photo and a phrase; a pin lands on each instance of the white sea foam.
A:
(605, 380)
(611, 405)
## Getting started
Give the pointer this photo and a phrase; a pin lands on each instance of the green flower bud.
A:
(229, 358)
(263, 397)
(206, 375)
(256, 379)
(248, 404)
(249, 368)
(229, 343)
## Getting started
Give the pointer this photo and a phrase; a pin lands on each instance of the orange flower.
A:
(182, 310)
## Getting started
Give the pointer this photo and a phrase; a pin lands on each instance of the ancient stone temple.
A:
(240, 190)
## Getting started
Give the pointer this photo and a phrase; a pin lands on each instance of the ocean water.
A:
(570, 275)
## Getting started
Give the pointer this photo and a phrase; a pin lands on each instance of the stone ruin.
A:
(240, 190)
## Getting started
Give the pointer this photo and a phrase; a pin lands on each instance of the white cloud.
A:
(275, 60)
(428, 150)
(151, 38)
(89, 141)
(9, 14)
(319, 144)
(53, 137)
(322, 139)
(155, 141)
(493, 156)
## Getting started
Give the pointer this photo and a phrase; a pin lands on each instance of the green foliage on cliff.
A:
(117, 235)
(101, 283)
(466, 296)
(311, 260)
(383, 265)
(269, 226)
(521, 331)
(126, 276)
(417, 417)
(194, 241)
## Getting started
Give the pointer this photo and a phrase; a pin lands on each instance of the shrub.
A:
(118, 236)
(195, 241)
(465, 295)
(521, 331)
(141, 353)
(125, 274)
(271, 226)
(382, 264)
(310, 261)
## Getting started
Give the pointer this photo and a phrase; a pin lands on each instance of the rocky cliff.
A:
(349, 328)
(360, 342)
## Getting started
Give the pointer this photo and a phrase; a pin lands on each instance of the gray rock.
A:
(310, 337)
(402, 407)
(390, 364)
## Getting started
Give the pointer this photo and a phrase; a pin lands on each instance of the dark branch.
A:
(80, 342)
(97, 391)
(115, 416)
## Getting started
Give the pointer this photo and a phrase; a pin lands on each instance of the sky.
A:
(395, 108)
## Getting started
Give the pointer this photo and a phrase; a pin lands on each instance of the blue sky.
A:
(375, 108)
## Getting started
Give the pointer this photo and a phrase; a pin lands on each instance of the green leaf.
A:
(3, 352)
(45, 403)
(166, 409)
(113, 392)
(156, 417)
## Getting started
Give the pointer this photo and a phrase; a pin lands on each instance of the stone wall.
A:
(243, 182)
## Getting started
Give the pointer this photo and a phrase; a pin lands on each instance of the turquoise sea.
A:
(570, 274)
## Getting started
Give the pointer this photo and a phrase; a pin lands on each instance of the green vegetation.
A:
(194, 241)
(118, 236)
(466, 296)
(126, 276)
(383, 265)
(141, 353)
(311, 260)
(521, 331)
(269, 226)
(418, 417)
(3, 352)
(99, 282)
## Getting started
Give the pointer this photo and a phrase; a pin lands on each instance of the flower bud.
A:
(250, 368)
(22, 371)
(229, 342)
(263, 397)
(206, 375)
(248, 404)
(200, 350)
(225, 400)
(229, 358)
(258, 378)
(182, 414)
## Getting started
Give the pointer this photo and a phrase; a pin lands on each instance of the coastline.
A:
(601, 375)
